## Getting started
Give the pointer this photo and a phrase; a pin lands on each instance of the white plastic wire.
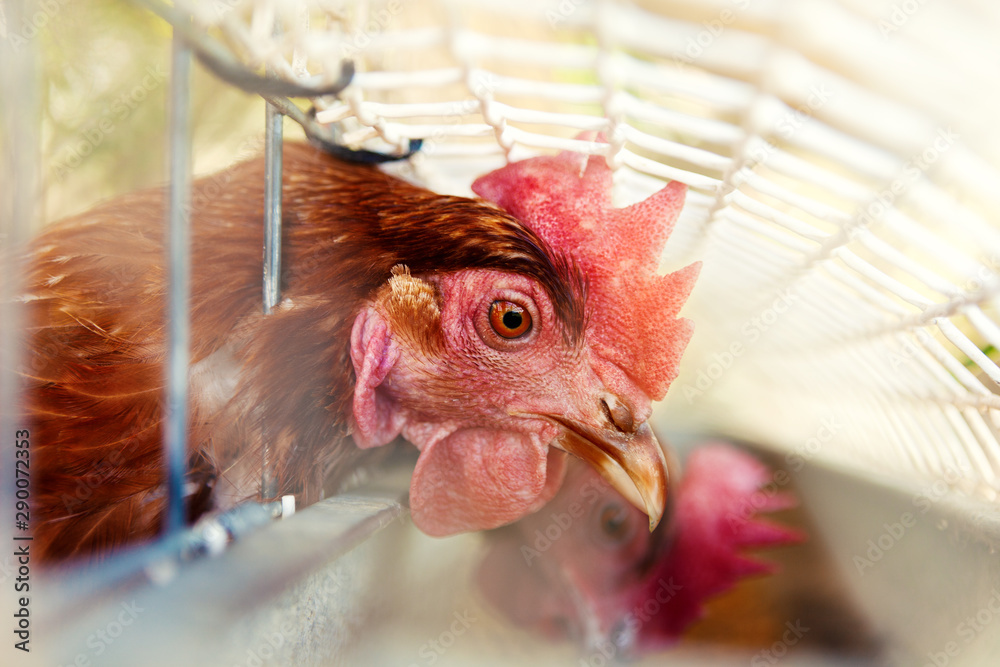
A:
(844, 188)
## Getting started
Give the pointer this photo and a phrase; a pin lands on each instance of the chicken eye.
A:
(614, 521)
(509, 320)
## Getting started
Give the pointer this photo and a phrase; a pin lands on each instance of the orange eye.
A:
(509, 320)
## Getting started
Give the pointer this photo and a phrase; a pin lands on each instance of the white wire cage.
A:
(841, 159)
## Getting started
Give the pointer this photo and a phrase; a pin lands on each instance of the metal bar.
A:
(77, 589)
(178, 247)
(19, 168)
(272, 209)
(323, 137)
(19, 190)
(273, 572)
(272, 261)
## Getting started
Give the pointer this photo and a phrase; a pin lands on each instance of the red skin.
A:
(472, 405)
(480, 408)
(631, 308)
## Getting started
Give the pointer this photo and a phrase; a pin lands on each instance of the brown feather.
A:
(95, 317)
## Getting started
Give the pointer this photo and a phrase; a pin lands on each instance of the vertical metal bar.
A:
(272, 261)
(19, 170)
(178, 249)
(19, 135)
(272, 209)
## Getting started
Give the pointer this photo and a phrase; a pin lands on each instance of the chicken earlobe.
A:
(404, 311)
(375, 422)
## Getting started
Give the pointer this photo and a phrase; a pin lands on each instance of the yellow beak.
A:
(631, 460)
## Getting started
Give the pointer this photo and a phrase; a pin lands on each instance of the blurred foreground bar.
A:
(296, 592)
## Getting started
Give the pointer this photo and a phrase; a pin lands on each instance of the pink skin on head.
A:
(483, 411)
(373, 354)
(473, 406)
(566, 200)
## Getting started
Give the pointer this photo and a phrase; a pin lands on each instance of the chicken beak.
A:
(631, 461)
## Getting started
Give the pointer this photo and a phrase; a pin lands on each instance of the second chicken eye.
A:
(509, 320)
(614, 520)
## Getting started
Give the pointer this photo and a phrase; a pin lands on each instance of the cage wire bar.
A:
(272, 259)
(178, 259)
(178, 251)
(20, 104)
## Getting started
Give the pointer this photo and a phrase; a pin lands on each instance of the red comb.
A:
(566, 200)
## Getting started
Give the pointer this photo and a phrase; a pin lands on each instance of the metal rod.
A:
(272, 262)
(272, 209)
(19, 197)
(178, 247)
(86, 585)
(323, 137)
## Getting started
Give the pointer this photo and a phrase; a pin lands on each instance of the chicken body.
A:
(443, 319)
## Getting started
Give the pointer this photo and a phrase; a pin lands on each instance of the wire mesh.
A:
(843, 183)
